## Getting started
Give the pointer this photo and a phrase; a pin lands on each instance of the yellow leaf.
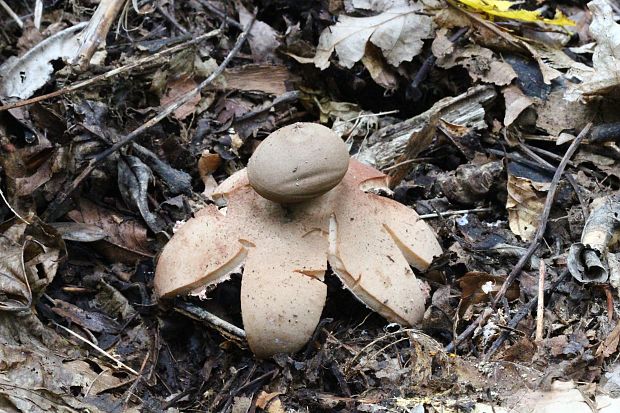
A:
(502, 8)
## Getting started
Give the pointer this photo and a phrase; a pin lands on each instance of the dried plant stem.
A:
(99, 349)
(533, 245)
(6, 201)
(97, 29)
(167, 110)
(540, 309)
(457, 212)
(11, 13)
(540, 231)
(113, 72)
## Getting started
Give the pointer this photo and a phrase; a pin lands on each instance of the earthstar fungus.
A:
(369, 241)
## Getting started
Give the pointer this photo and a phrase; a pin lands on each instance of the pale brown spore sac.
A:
(297, 163)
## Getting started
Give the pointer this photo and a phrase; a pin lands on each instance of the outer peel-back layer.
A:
(370, 241)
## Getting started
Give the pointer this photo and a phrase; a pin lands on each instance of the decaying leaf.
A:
(556, 114)
(603, 77)
(470, 183)
(478, 287)
(176, 89)
(398, 31)
(480, 62)
(29, 258)
(22, 76)
(504, 8)
(263, 38)
(369, 241)
(125, 240)
(526, 199)
(133, 182)
(563, 396)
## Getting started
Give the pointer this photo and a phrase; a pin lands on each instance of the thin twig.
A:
(533, 245)
(540, 309)
(213, 320)
(167, 110)
(540, 231)
(528, 151)
(514, 321)
(222, 15)
(11, 13)
(457, 212)
(99, 349)
(12, 209)
(113, 72)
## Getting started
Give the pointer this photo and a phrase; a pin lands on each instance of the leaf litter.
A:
(468, 107)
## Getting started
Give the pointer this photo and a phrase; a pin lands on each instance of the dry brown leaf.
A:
(380, 72)
(270, 402)
(481, 64)
(21, 77)
(398, 31)
(478, 287)
(556, 114)
(126, 239)
(286, 250)
(175, 90)
(562, 397)
(525, 203)
(29, 259)
(516, 102)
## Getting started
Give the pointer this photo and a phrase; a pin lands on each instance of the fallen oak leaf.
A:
(397, 31)
(368, 240)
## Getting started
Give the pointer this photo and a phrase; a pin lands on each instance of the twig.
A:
(540, 309)
(222, 15)
(457, 212)
(514, 321)
(99, 349)
(540, 231)
(211, 319)
(12, 209)
(528, 151)
(171, 19)
(113, 72)
(171, 107)
(96, 31)
(11, 13)
(533, 245)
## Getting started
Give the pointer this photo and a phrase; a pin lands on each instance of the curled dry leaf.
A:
(368, 240)
(29, 258)
(602, 78)
(526, 199)
(587, 260)
(133, 181)
(470, 183)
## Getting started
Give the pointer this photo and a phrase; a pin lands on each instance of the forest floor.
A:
(497, 123)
